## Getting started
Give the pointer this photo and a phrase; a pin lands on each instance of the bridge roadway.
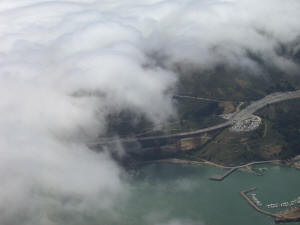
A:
(199, 98)
(236, 117)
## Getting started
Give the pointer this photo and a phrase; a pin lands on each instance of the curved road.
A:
(237, 117)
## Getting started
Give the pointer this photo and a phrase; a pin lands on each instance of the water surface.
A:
(183, 194)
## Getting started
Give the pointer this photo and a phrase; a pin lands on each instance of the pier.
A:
(215, 177)
(218, 177)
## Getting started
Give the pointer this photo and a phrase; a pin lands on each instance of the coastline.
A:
(247, 167)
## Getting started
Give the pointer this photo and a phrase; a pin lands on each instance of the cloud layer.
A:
(66, 64)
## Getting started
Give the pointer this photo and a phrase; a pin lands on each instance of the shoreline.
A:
(212, 164)
(247, 167)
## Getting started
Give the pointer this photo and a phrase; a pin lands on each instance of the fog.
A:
(66, 64)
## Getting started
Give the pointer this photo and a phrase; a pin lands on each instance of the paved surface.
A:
(236, 117)
(269, 99)
(199, 98)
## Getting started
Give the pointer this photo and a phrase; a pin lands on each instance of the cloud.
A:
(205, 33)
(66, 64)
(51, 53)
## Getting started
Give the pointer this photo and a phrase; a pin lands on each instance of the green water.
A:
(183, 194)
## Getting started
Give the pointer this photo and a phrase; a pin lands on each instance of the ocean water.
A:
(183, 194)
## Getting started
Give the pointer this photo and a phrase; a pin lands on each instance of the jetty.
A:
(244, 195)
(218, 177)
(291, 215)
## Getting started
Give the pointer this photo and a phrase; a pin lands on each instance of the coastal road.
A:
(238, 116)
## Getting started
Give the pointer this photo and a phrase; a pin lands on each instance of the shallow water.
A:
(183, 194)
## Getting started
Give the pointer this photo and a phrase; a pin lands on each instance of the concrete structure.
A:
(218, 177)
(243, 120)
(291, 215)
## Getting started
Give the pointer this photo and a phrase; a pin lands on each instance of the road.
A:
(267, 100)
(198, 98)
(238, 116)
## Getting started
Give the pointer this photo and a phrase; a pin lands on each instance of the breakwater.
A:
(244, 195)
(292, 215)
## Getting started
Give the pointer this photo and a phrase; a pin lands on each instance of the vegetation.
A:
(285, 121)
(277, 137)
(126, 123)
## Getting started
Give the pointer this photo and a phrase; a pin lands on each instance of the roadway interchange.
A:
(267, 100)
(236, 118)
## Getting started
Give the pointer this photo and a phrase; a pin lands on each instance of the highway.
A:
(267, 100)
(198, 98)
(236, 117)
